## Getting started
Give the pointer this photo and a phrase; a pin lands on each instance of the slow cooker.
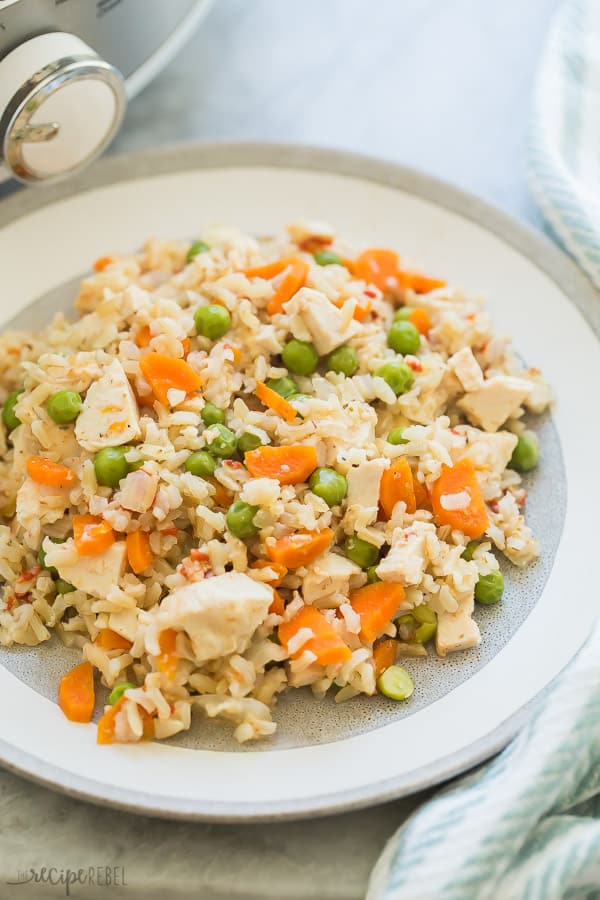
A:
(67, 69)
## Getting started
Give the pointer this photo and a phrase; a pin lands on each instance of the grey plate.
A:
(301, 720)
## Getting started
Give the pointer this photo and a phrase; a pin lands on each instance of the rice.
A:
(170, 595)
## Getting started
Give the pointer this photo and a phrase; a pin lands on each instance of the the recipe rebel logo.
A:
(67, 879)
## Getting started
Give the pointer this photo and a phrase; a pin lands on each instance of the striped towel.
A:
(525, 826)
(565, 136)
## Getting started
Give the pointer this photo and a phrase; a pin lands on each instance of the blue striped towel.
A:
(526, 826)
(565, 135)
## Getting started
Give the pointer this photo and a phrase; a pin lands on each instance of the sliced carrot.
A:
(164, 372)
(276, 567)
(384, 655)
(275, 402)
(144, 336)
(168, 659)
(139, 554)
(379, 267)
(376, 604)
(277, 606)
(221, 496)
(396, 485)
(301, 548)
(327, 645)
(291, 464)
(361, 311)
(108, 639)
(472, 519)
(269, 270)
(102, 262)
(291, 282)
(92, 535)
(420, 319)
(421, 495)
(105, 733)
(76, 695)
(44, 471)
(420, 284)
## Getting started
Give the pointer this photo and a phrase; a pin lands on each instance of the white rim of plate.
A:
(529, 244)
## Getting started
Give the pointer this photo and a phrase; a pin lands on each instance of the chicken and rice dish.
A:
(251, 465)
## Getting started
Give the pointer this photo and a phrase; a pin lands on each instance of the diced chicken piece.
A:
(110, 415)
(407, 557)
(138, 491)
(490, 451)
(329, 327)
(95, 575)
(302, 231)
(125, 623)
(499, 398)
(467, 369)
(38, 505)
(364, 482)
(329, 574)
(219, 614)
(455, 631)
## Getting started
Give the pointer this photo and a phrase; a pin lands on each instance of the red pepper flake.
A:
(493, 506)
(30, 574)
(455, 431)
(199, 555)
(10, 602)
(315, 242)
(233, 464)
(414, 364)
(369, 293)
(173, 531)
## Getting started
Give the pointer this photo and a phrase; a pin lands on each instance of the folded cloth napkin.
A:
(525, 826)
(565, 135)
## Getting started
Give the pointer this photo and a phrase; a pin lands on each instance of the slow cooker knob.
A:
(60, 106)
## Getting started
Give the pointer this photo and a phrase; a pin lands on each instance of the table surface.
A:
(443, 85)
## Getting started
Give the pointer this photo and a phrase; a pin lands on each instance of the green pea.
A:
(118, 691)
(196, 248)
(64, 406)
(361, 552)
(212, 415)
(395, 683)
(63, 587)
(427, 620)
(111, 466)
(284, 386)
(397, 374)
(396, 436)
(42, 558)
(403, 314)
(300, 357)
(470, 550)
(404, 338)
(328, 258)
(224, 443)
(329, 485)
(8, 411)
(212, 321)
(248, 441)
(489, 588)
(526, 454)
(343, 360)
(372, 575)
(240, 519)
(201, 463)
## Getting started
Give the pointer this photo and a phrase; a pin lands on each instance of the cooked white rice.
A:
(202, 588)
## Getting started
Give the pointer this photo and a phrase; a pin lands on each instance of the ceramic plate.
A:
(327, 758)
